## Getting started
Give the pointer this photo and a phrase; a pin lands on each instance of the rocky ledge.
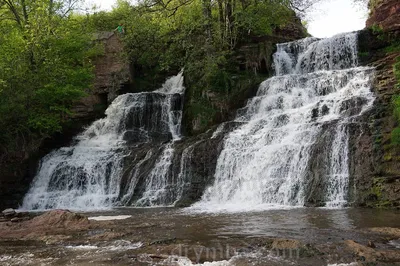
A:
(385, 14)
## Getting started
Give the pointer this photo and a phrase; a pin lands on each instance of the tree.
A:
(44, 68)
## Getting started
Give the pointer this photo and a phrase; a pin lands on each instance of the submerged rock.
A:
(369, 254)
(60, 219)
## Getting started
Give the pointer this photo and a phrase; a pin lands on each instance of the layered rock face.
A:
(385, 14)
(112, 75)
(375, 162)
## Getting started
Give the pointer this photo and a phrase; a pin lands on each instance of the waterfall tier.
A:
(288, 147)
(88, 175)
(269, 160)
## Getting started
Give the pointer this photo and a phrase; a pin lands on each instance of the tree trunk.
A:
(208, 19)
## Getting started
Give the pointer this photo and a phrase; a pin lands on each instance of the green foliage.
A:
(376, 196)
(46, 52)
(393, 48)
(376, 29)
(396, 71)
(45, 67)
(198, 35)
(396, 103)
(363, 54)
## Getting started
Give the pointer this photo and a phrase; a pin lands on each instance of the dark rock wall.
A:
(385, 14)
(374, 160)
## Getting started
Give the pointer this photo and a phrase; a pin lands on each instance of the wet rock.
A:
(394, 232)
(286, 244)
(54, 239)
(61, 219)
(366, 253)
(22, 214)
(324, 110)
(50, 223)
(106, 236)
(9, 213)
(16, 220)
(370, 255)
(163, 241)
(371, 244)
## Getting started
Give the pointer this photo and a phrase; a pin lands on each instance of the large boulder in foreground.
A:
(49, 223)
(60, 219)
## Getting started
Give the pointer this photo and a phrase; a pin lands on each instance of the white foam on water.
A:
(82, 247)
(117, 245)
(203, 207)
(250, 258)
(121, 245)
(109, 217)
(395, 243)
(344, 264)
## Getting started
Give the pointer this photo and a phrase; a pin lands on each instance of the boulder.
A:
(16, 220)
(60, 219)
(370, 255)
(286, 244)
(8, 213)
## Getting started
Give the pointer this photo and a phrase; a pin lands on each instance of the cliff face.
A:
(375, 163)
(385, 14)
(251, 64)
(112, 77)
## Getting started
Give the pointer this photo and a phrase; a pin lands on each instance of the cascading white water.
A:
(157, 182)
(184, 177)
(265, 162)
(87, 175)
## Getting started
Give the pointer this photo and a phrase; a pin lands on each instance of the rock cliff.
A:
(375, 164)
(385, 14)
(112, 77)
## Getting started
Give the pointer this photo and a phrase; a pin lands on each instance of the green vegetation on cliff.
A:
(396, 102)
(205, 38)
(46, 56)
(44, 69)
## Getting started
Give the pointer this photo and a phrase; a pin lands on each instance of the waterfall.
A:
(289, 146)
(157, 182)
(88, 174)
(300, 114)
